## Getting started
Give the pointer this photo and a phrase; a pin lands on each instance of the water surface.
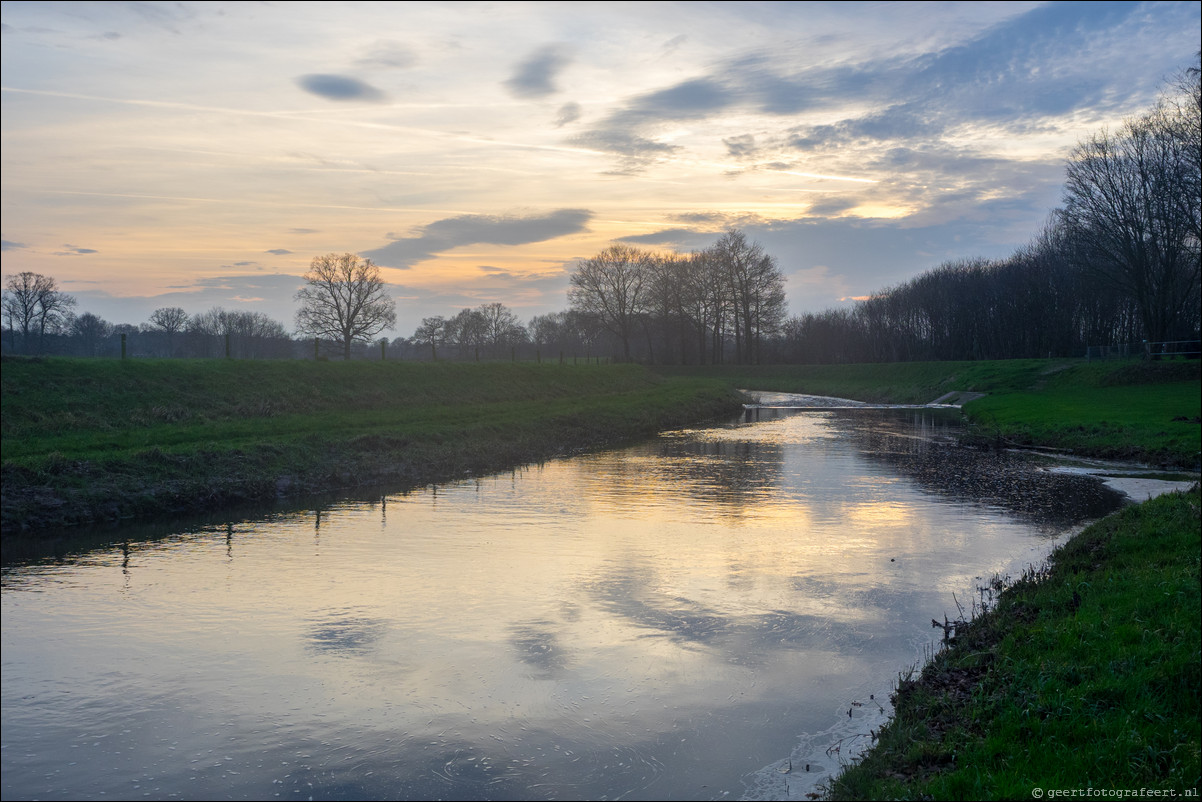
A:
(668, 621)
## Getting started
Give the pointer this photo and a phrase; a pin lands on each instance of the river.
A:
(695, 617)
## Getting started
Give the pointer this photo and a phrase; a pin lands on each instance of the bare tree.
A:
(613, 285)
(501, 326)
(345, 299)
(32, 304)
(1132, 207)
(432, 332)
(169, 320)
(91, 331)
(756, 289)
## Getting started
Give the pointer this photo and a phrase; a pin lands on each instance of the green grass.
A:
(94, 440)
(1135, 410)
(90, 440)
(1084, 676)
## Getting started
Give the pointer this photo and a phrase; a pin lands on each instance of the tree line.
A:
(1119, 262)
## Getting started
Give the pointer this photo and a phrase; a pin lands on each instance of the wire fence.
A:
(1181, 349)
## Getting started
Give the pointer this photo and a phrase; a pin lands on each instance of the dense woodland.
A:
(1117, 264)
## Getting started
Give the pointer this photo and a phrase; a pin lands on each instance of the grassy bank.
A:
(1084, 676)
(1146, 411)
(95, 440)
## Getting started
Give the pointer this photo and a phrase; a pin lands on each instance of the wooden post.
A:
(316, 349)
(383, 350)
(123, 345)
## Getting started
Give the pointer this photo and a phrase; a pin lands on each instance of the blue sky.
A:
(194, 154)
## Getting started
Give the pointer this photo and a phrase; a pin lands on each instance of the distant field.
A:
(1146, 411)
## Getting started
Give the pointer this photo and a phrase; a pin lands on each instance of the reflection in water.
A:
(347, 632)
(657, 622)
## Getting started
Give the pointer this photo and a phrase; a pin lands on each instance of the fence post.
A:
(316, 349)
(123, 345)
(383, 349)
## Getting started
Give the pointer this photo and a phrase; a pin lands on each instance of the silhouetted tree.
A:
(612, 286)
(1132, 207)
(32, 304)
(344, 299)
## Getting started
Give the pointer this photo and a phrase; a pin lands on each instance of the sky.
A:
(197, 154)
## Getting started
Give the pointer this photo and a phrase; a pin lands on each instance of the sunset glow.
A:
(196, 154)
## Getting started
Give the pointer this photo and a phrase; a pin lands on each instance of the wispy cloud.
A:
(72, 250)
(388, 54)
(453, 232)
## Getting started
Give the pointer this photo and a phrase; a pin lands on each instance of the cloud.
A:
(628, 131)
(535, 77)
(339, 87)
(74, 251)
(303, 231)
(568, 113)
(9, 245)
(271, 294)
(741, 146)
(1018, 74)
(389, 55)
(471, 229)
(278, 251)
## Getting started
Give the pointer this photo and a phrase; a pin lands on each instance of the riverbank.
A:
(1084, 675)
(1131, 410)
(89, 441)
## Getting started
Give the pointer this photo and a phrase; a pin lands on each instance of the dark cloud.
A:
(634, 152)
(689, 100)
(627, 132)
(568, 113)
(279, 251)
(453, 232)
(535, 77)
(339, 87)
(74, 251)
(8, 245)
(741, 146)
(388, 54)
(830, 207)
